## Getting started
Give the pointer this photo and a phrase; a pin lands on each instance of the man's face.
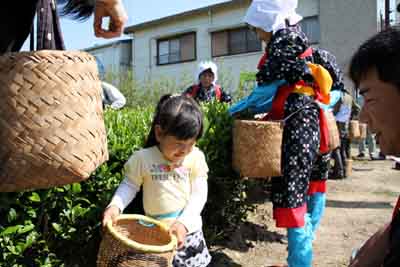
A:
(381, 111)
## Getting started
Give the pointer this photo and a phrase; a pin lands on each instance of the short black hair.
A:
(382, 52)
(179, 116)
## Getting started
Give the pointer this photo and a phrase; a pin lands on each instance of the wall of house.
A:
(116, 57)
(344, 25)
(145, 44)
(125, 56)
(145, 49)
(396, 14)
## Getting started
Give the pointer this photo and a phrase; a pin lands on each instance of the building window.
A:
(310, 26)
(176, 49)
(234, 41)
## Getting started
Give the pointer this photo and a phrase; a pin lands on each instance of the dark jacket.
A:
(202, 94)
(17, 17)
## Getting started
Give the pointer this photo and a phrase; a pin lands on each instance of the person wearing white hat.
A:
(206, 87)
(289, 57)
(275, 23)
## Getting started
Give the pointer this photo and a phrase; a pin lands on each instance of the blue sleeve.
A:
(334, 98)
(260, 99)
(336, 95)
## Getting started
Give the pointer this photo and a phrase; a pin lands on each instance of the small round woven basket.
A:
(354, 129)
(257, 148)
(137, 241)
(51, 119)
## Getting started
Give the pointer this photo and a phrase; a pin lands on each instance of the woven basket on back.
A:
(334, 138)
(136, 240)
(257, 148)
(354, 129)
(51, 119)
(363, 130)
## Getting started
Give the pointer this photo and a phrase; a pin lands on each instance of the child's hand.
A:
(180, 231)
(111, 213)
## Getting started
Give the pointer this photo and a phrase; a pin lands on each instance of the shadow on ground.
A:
(248, 234)
(358, 204)
(220, 259)
(259, 191)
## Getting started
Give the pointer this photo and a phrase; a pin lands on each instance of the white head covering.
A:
(271, 15)
(205, 65)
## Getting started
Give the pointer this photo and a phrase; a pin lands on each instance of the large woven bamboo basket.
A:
(51, 119)
(257, 148)
(354, 129)
(137, 241)
(334, 137)
(363, 130)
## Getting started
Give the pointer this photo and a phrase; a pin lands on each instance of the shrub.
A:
(226, 206)
(61, 226)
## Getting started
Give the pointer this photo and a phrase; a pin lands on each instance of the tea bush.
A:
(61, 226)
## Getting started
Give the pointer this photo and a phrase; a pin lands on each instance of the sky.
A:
(79, 35)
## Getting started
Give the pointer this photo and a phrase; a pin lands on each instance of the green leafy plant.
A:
(226, 206)
(61, 226)
(246, 84)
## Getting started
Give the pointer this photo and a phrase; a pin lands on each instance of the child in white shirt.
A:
(173, 174)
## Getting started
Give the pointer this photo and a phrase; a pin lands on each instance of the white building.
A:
(396, 10)
(172, 46)
(116, 56)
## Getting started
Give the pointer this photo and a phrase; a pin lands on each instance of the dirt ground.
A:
(356, 208)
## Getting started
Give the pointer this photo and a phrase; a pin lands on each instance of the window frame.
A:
(174, 37)
(312, 42)
(229, 48)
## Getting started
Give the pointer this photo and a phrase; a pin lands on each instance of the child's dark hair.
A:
(179, 116)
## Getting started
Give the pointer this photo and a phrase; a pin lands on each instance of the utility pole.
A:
(387, 14)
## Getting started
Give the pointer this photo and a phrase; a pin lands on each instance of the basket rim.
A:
(46, 52)
(255, 121)
(133, 244)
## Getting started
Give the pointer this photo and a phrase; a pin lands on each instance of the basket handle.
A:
(297, 111)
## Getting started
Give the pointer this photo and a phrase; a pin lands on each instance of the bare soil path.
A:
(356, 208)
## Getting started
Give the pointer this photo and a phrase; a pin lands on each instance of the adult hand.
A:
(180, 231)
(114, 9)
(111, 213)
